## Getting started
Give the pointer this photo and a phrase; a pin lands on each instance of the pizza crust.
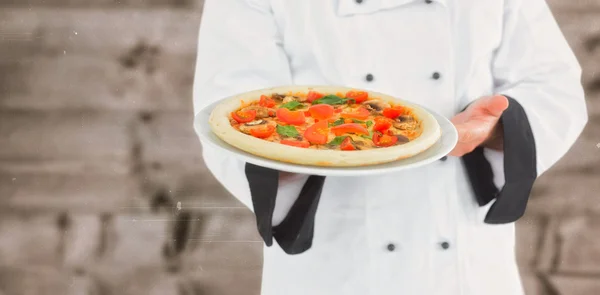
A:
(220, 125)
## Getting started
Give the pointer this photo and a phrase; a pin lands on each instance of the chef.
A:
(501, 70)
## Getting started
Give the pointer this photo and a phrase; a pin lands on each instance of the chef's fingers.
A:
(494, 105)
(470, 132)
(470, 135)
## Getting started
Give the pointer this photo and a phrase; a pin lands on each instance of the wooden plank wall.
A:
(97, 148)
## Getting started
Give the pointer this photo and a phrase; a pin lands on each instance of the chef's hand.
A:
(284, 176)
(478, 125)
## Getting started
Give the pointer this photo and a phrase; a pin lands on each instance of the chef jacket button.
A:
(444, 158)
(369, 77)
(391, 247)
(445, 245)
(359, 1)
(428, 1)
(436, 76)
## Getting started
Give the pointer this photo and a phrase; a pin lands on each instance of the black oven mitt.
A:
(295, 233)
(520, 169)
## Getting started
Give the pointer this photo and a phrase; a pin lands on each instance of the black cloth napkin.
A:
(295, 233)
(520, 169)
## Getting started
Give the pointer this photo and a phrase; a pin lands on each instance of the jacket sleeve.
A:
(535, 68)
(240, 49)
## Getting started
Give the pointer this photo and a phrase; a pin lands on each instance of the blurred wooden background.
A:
(97, 153)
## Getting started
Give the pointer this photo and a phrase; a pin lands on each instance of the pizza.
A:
(324, 126)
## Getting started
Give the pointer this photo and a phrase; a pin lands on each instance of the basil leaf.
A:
(330, 99)
(337, 122)
(358, 121)
(337, 140)
(369, 124)
(287, 131)
(292, 105)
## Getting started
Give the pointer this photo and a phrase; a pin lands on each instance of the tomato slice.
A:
(244, 116)
(382, 124)
(358, 96)
(384, 140)
(337, 111)
(350, 128)
(317, 133)
(393, 112)
(321, 111)
(313, 95)
(291, 117)
(266, 102)
(262, 132)
(347, 145)
(296, 143)
(359, 114)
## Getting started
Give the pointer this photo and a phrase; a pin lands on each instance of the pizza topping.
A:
(384, 140)
(262, 132)
(337, 122)
(287, 131)
(261, 112)
(266, 102)
(294, 98)
(313, 95)
(347, 145)
(291, 117)
(291, 105)
(382, 125)
(393, 112)
(256, 122)
(405, 118)
(321, 111)
(405, 123)
(360, 113)
(357, 96)
(362, 145)
(349, 128)
(402, 139)
(376, 106)
(330, 99)
(296, 143)
(337, 141)
(277, 97)
(317, 133)
(243, 116)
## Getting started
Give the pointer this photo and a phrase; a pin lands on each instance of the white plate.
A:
(440, 149)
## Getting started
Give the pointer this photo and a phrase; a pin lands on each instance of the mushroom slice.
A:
(405, 125)
(405, 122)
(277, 97)
(362, 145)
(376, 105)
(247, 126)
(256, 122)
(402, 139)
(405, 118)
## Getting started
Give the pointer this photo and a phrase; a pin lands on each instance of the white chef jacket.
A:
(415, 232)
